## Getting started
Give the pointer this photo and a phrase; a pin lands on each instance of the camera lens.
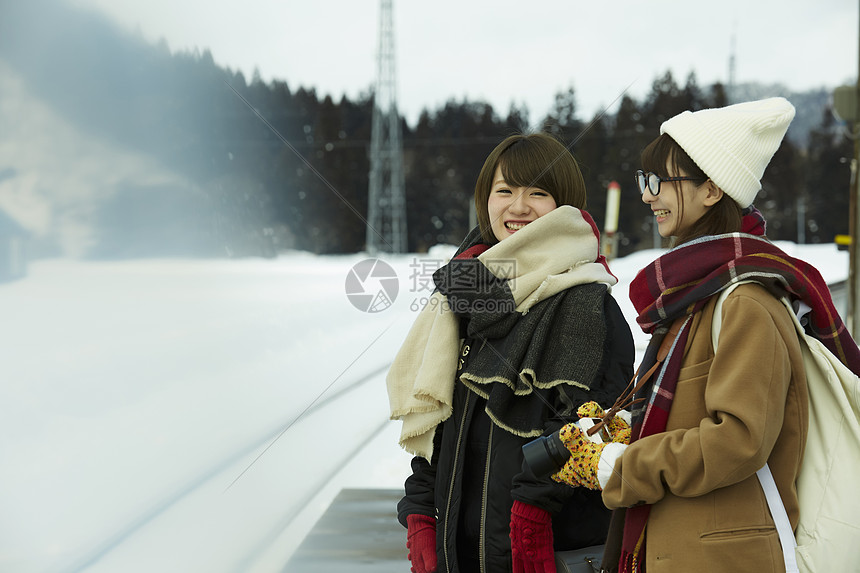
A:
(545, 455)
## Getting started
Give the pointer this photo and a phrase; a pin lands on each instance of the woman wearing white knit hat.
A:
(685, 488)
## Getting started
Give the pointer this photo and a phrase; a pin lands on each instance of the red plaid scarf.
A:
(681, 282)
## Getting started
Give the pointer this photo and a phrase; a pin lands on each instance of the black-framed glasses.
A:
(651, 181)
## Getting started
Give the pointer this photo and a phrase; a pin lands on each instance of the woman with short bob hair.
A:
(520, 332)
(534, 160)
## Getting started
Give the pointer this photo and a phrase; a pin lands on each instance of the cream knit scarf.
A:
(558, 251)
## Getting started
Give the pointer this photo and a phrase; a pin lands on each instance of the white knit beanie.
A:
(733, 144)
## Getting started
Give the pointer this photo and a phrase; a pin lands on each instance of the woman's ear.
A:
(714, 193)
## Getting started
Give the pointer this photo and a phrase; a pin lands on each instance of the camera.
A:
(546, 455)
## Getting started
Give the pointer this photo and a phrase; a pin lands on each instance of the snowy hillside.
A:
(189, 416)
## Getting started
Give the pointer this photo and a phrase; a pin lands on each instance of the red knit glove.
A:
(421, 542)
(531, 539)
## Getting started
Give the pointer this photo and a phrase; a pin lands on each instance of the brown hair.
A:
(723, 217)
(535, 160)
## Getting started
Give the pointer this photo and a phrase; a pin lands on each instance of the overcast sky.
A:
(504, 51)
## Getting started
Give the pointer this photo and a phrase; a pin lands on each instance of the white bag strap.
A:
(718, 316)
(765, 477)
(780, 518)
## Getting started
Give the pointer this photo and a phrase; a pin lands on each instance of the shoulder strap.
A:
(717, 320)
(765, 477)
(780, 518)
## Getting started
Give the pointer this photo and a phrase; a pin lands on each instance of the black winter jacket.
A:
(477, 472)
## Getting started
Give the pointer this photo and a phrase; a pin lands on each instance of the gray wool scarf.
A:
(550, 255)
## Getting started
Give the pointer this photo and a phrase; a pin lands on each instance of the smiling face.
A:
(511, 208)
(537, 162)
(686, 210)
(680, 203)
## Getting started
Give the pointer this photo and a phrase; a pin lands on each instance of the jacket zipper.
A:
(451, 485)
(482, 555)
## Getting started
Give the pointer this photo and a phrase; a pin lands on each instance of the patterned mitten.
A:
(618, 429)
(531, 539)
(421, 542)
(581, 468)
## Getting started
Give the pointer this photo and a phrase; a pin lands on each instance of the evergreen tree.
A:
(456, 140)
(517, 120)
(561, 120)
(627, 141)
(591, 151)
(718, 96)
(781, 187)
(264, 167)
(828, 176)
(422, 182)
(665, 100)
(692, 96)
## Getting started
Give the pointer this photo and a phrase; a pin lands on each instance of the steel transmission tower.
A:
(386, 212)
(730, 92)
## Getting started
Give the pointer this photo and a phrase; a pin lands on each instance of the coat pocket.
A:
(697, 370)
(742, 549)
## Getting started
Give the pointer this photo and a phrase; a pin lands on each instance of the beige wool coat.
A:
(732, 413)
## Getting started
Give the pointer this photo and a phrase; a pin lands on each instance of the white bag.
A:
(828, 533)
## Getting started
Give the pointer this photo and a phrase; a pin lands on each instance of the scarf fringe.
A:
(514, 431)
(476, 382)
(633, 562)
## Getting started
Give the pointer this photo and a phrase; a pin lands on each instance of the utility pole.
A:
(851, 320)
(801, 220)
(854, 257)
(846, 104)
(386, 210)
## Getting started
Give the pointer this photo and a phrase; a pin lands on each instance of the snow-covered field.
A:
(198, 416)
